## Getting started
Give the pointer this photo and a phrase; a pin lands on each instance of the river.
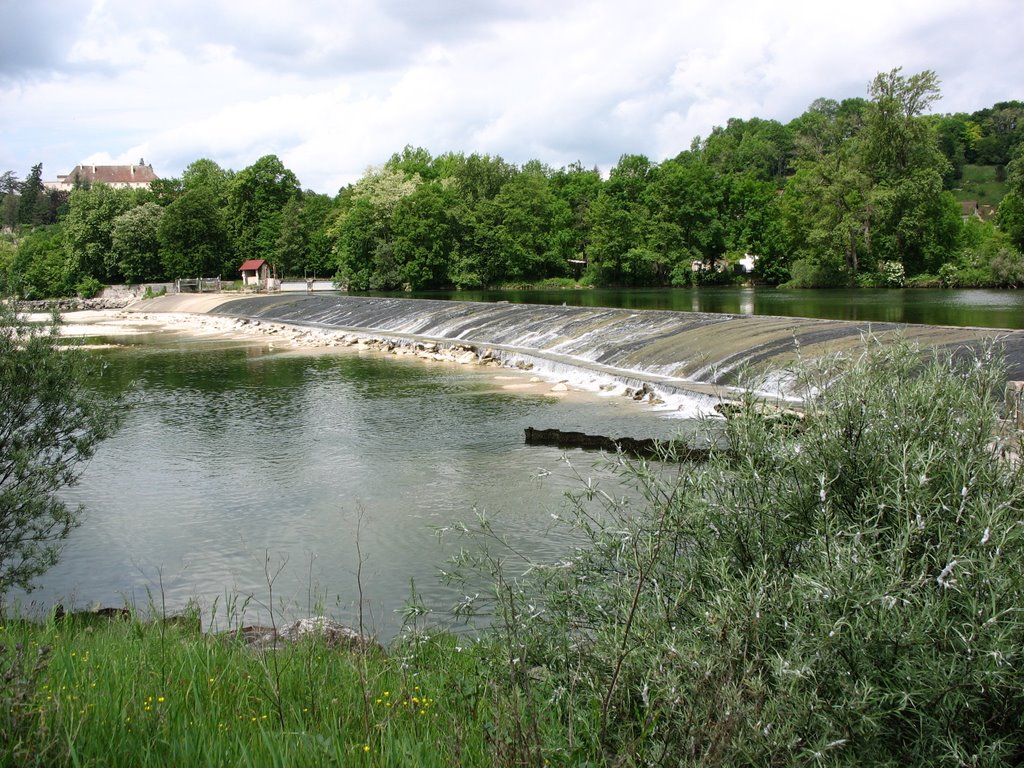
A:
(240, 460)
(315, 480)
(979, 308)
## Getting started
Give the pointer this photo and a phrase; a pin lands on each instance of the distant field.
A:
(979, 182)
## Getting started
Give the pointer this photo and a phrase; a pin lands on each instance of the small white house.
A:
(255, 272)
(748, 262)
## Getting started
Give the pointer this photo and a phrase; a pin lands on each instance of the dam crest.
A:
(698, 355)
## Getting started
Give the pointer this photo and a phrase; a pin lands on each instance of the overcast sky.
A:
(334, 86)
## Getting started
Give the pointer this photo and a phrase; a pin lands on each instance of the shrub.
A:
(810, 273)
(846, 590)
(88, 287)
(924, 280)
(51, 423)
(893, 273)
(954, 275)
(39, 268)
(870, 280)
(1008, 268)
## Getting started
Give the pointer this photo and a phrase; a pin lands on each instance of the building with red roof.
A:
(118, 176)
(255, 272)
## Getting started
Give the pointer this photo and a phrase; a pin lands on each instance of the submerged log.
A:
(642, 447)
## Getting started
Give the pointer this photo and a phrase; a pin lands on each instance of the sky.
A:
(333, 87)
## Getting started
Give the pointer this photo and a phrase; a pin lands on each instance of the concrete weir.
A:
(686, 352)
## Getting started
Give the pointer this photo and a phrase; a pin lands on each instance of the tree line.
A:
(851, 192)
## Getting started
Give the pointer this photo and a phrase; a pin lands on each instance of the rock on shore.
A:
(75, 304)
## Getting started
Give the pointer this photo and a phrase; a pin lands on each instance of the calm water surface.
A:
(981, 308)
(236, 453)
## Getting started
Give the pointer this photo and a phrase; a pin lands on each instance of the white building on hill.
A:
(118, 176)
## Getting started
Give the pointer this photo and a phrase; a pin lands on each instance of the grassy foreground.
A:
(136, 693)
(846, 589)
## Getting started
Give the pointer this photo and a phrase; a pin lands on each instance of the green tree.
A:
(825, 208)
(618, 221)
(206, 174)
(8, 252)
(165, 191)
(1002, 130)
(303, 245)
(33, 206)
(910, 218)
(9, 187)
(193, 236)
(40, 268)
(135, 243)
(616, 227)
(290, 247)
(628, 180)
(828, 219)
(446, 165)
(750, 209)
(425, 237)
(685, 199)
(868, 187)
(88, 230)
(986, 259)
(1011, 209)
(516, 231)
(577, 187)
(481, 177)
(318, 213)
(358, 235)
(414, 161)
(56, 205)
(9, 183)
(825, 126)
(896, 143)
(256, 198)
(362, 231)
(193, 233)
(52, 422)
(761, 148)
(958, 137)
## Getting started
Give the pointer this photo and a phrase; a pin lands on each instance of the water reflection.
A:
(980, 308)
(233, 455)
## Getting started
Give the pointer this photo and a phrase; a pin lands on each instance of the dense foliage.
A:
(50, 423)
(841, 591)
(856, 192)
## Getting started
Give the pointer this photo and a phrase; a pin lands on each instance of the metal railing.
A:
(198, 285)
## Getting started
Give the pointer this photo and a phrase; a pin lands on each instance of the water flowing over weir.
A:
(689, 353)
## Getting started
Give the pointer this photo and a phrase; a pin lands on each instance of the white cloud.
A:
(332, 87)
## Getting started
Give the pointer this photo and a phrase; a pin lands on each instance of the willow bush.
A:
(847, 590)
(51, 421)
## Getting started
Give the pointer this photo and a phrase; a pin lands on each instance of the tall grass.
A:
(118, 694)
